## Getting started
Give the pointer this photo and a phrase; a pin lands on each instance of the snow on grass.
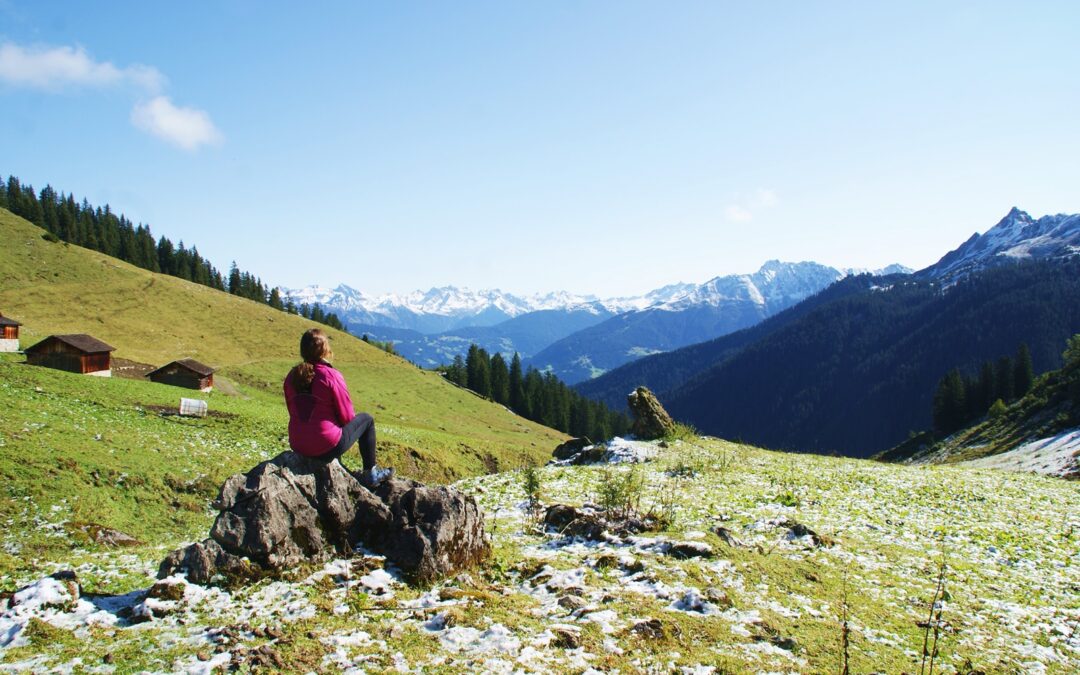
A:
(549, 603)
(1055, 456)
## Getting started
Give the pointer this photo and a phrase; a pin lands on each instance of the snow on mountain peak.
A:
(775, 282)
(1017, 236)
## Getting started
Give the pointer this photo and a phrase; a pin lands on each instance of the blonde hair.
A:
(314, 347)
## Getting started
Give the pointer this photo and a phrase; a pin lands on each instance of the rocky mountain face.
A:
(1016, 237)
(718, 307)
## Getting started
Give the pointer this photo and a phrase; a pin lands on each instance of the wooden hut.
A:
(77, 353)
(187, 373)
(9, 334)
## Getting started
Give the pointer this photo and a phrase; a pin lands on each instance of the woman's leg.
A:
(367, 443)
(360, 428)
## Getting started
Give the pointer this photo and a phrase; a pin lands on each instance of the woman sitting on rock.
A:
(322, 422)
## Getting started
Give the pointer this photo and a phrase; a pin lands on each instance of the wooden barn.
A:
(9, 334)
(187, 373)
(77, 353)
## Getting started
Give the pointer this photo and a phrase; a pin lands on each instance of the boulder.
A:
(570, 448)
(650, 419)
(292, 510)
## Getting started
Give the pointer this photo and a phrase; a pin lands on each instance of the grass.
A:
(77, 449)
(94, 450)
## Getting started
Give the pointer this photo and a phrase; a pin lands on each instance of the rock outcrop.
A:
(571, 448)
(292, 510)
(650, 419)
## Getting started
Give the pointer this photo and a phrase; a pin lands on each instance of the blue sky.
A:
(595, 147)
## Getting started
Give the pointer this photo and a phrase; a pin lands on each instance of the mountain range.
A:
(575, 336)
(852, 369)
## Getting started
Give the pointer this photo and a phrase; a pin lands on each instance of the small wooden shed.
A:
(76, 353)
(9, 334)
(187, 373)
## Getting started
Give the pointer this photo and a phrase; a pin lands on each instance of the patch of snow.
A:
(1055, 456)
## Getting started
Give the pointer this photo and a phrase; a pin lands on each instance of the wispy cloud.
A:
(743, 210)
(738, 214)
(187, 128)
(58, 69)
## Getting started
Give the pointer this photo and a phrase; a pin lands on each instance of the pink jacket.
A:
(315, 419)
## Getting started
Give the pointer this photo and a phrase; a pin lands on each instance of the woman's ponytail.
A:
(314, 347)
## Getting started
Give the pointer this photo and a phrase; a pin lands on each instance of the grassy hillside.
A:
(69, 437)
(1052, 407)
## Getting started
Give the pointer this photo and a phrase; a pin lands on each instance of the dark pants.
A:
(362, 428)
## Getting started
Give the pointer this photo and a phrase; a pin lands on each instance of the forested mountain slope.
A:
(668, 370)
(856, 375)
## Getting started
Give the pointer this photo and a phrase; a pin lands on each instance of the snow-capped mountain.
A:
(695, 314)
(449, 308)
(577, 336)
(1017, 236)
(776, 284)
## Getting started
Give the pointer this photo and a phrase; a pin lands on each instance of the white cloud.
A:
(60, 68)
(187, 128)
(56, 68)
(738, 214)
(763, 198)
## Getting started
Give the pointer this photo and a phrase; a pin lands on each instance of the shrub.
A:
(996, 410)
(619, 492)
(531, 482)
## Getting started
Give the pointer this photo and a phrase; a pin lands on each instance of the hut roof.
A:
(194, 366)
(4, 321)
(81, 341)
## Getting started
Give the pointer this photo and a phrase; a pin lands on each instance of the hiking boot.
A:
(372, 479)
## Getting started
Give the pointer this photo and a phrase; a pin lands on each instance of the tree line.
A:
(536, 396)
(960, 399)
(100, 229)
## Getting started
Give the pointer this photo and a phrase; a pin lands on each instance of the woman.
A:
(322, 422)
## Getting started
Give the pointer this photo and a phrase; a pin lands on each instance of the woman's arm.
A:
(290, 394)
(342, 402)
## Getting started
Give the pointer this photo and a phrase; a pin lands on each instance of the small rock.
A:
(719, 598)
(167, 591)
(728, 537)
(203, 656)
(571, 603)
(559, 516)
(105, 536)
(690, 549)
(655, 629)
(565, 638)
(798, 530)
(274, 633)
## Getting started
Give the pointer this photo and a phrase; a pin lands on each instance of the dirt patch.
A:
(130, 370)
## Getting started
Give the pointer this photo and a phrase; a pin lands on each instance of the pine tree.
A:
(516, 385)
(500, 380)
(275, 299)
(235, 280)
(949, 406)
(1006, 379)
(1024, 372)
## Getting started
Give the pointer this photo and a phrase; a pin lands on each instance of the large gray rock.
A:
(292, 510)
(650, 419)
